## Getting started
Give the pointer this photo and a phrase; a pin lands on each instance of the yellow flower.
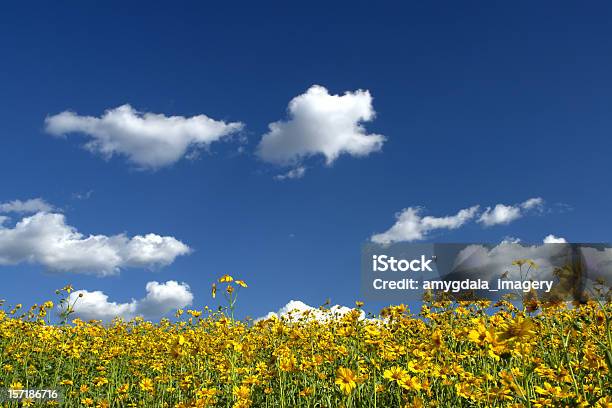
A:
(395, 374)
(146, 385)
(100, 381)
(605, 402)
(464, 390)
(436, 339)
(549, 390)
(415, 403)
(213, 291)
(88, 402)
(306, 392)
(103, 404)
(481, 335)
(518, 329)
(123, 389)
(251, 380)
(16, 385)
(242, 393)
(288, 363)
(241, 283)
(226, 278)
(413, 367)
(206, 393)
(345, 379)
(410, 383)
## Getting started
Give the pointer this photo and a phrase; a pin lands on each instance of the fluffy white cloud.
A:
(46, 239)
(149, 140)
(320, 123)
(411, 226)
(500, 214)
(32, 205)
(297, 309)
(505, 214)
(295, 173)
(161, 299)
(551, 239)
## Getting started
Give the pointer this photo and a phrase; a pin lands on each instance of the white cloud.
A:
(503, 214)
(532, 203)
(295, 173)
(511, 240)
(297, 309)
(551, 239)
(500, 214)
(148, 140)
(46, 239)
(411, 226)
(32, 205)
(161, 299)
(320, 123)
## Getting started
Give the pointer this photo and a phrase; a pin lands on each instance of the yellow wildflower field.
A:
(447, 354)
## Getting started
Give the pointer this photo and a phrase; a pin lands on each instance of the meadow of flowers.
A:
(447, 354)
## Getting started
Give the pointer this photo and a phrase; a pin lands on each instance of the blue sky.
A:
(480, 103)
